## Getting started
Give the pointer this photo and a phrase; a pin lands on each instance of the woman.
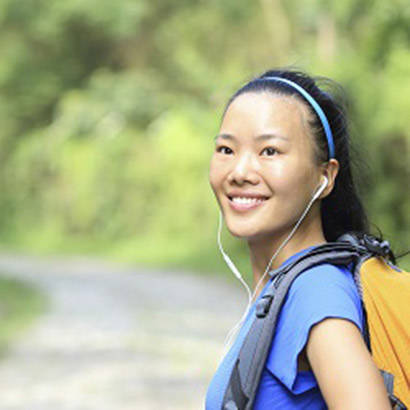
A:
(281, 174)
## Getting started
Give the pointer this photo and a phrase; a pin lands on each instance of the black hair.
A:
(342, 211)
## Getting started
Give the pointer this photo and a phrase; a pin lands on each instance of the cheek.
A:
(279, 176)
(289, 180)
(214, 175)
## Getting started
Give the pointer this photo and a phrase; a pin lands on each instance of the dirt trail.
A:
(115, 337)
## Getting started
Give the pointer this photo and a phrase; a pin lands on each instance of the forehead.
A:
(252, 114)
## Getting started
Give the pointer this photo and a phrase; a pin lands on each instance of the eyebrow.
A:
(262, 137)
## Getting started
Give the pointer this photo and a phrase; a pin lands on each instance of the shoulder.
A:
(322, 276)
(324, 291)
(324, 279)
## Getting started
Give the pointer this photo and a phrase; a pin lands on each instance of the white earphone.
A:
(321, 188)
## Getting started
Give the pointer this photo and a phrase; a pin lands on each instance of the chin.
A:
(243, 230)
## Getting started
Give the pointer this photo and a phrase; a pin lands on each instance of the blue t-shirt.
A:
(321, 292)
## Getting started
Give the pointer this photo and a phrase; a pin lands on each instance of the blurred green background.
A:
(108, 112)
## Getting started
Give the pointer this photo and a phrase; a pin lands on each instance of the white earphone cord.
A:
(236, 272)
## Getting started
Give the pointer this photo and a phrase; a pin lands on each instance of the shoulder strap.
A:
(246, 374)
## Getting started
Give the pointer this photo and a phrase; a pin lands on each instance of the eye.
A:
(224, 150)
(270, 151)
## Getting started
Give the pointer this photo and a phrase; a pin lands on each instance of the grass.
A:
(20, 304)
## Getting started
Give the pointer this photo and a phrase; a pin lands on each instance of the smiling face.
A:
(262, 171)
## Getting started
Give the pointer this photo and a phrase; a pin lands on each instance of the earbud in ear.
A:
(325, 181)
(321, 188)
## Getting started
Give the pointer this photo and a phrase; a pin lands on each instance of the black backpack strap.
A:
(248, 368)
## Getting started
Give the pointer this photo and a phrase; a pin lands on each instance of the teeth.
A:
(242, 200)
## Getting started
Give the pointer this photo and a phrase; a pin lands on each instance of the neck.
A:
(309, 233)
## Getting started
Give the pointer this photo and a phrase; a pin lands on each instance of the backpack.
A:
(385, 293)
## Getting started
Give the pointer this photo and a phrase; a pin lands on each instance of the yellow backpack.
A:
(386, 297)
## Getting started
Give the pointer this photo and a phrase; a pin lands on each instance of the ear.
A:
(330, 170)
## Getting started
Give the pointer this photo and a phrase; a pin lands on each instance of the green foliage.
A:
(108, 110)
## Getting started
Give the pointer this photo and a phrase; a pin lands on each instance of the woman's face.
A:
(262, 170)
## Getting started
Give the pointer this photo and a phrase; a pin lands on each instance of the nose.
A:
(244, 169)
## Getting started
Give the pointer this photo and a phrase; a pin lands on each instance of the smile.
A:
(241, 204)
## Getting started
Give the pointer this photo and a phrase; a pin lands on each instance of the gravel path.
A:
(116, 337)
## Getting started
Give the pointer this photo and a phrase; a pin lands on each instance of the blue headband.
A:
(315, 106)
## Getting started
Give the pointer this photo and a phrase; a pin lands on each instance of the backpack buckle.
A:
(375, 246)
(263, 306)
